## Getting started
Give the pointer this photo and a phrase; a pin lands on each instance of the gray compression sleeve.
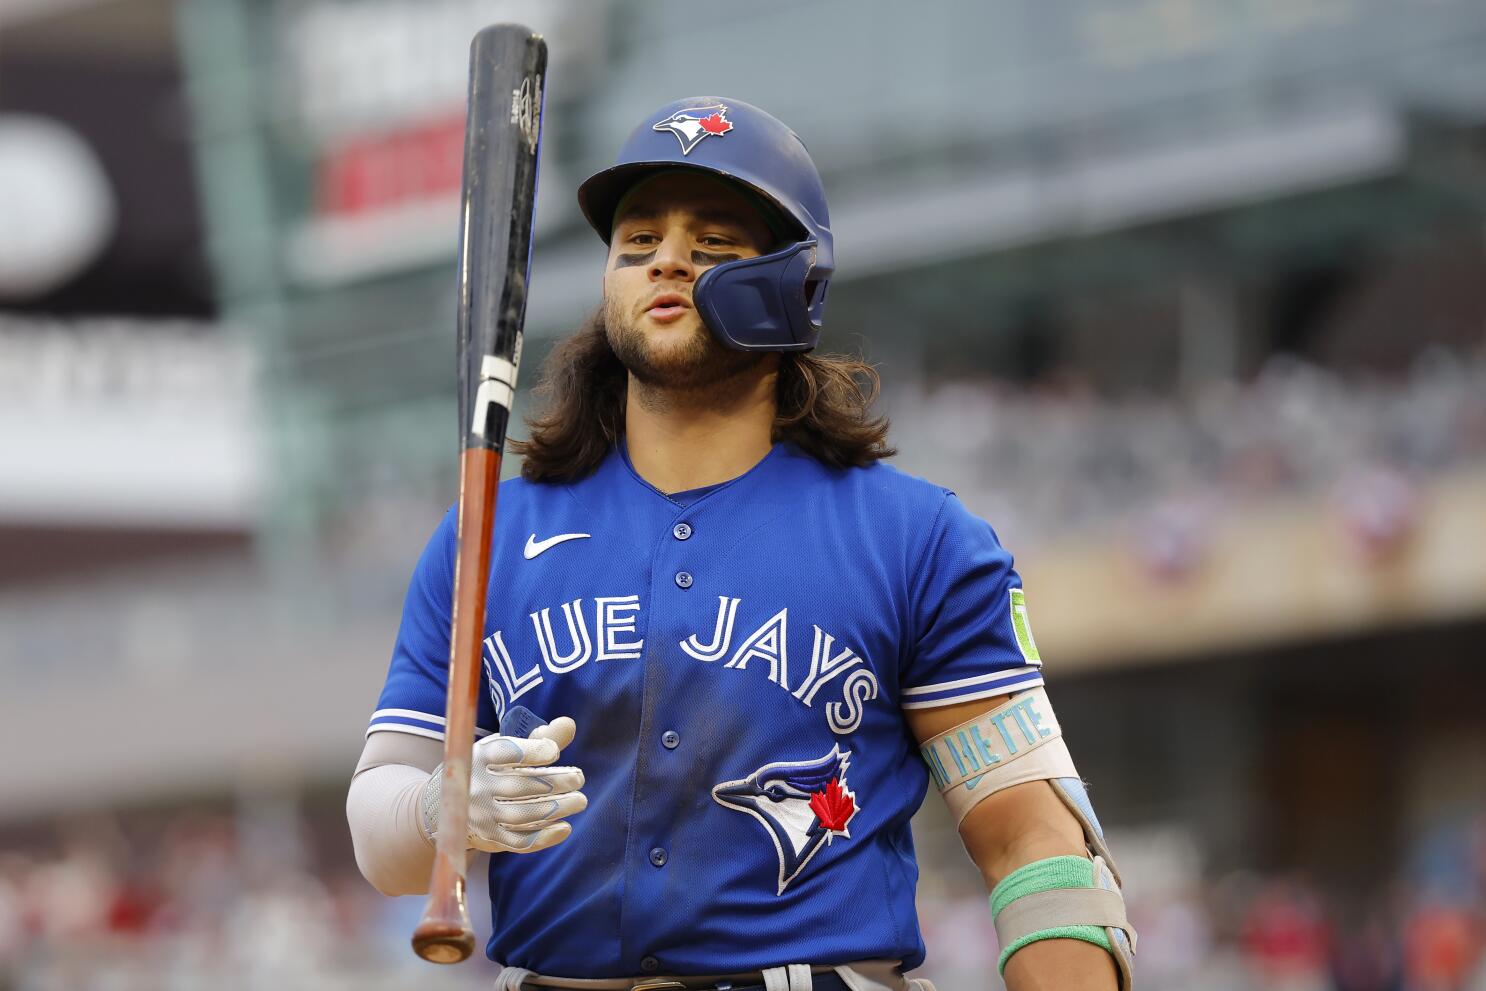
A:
(383, 813)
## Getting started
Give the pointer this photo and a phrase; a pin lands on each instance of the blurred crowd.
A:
(201, 900)
(1251, 933)
(1055, 460)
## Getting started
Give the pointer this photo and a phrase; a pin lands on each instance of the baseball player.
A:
(727, 648)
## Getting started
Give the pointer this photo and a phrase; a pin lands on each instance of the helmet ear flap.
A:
(755, 304)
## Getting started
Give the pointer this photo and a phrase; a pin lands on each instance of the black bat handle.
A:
(502, 142)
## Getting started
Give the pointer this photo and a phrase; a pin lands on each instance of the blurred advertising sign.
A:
(374, 97)
(59, 207)
(381, 202)
(98, 204)
(118, 422)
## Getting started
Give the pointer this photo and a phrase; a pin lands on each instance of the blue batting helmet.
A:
(770, 303)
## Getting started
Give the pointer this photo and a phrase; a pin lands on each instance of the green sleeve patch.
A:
(1023, 627)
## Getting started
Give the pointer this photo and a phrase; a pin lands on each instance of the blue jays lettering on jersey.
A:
(736, 659)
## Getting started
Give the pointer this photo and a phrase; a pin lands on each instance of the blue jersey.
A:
(737, 660)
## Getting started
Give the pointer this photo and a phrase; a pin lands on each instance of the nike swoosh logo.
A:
(535, 546)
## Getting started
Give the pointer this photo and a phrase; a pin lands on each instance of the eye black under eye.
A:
(631, 260)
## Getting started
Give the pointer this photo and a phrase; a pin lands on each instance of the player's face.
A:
(671, 230)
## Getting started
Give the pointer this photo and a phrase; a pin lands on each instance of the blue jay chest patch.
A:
(802, 805)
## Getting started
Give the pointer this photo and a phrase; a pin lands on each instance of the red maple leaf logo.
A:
(716, 124)
(833, 806)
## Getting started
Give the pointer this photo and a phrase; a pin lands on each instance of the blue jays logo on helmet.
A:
(803, 805)
(695, 123)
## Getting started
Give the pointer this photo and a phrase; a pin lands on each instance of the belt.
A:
(826, 981)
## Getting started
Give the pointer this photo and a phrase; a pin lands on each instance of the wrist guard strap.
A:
(1063, 898)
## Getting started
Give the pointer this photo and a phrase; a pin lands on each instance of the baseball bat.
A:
(508, 66)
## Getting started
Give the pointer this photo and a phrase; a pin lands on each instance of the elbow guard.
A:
(1057, 898)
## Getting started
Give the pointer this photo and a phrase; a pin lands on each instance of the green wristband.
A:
(1048, 875)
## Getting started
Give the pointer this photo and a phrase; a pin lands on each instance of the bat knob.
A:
(441, 943)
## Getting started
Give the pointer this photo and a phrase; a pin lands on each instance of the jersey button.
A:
(649, 965)
(681, 531)
(658, 856)
(683, 579)
(670, 739)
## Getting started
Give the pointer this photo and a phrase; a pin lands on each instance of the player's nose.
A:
(673, 258)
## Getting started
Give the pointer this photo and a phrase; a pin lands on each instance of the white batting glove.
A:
(517, 799)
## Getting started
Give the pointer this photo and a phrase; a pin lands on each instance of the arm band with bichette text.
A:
(1058, 898)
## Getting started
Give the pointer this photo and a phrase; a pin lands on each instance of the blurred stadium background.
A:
(1187, 297)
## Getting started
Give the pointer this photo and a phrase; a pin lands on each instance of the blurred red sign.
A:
(375, 172)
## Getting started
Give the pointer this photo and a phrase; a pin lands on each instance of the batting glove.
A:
(518, 801)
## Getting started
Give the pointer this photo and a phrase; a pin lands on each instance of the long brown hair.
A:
(825, 406)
